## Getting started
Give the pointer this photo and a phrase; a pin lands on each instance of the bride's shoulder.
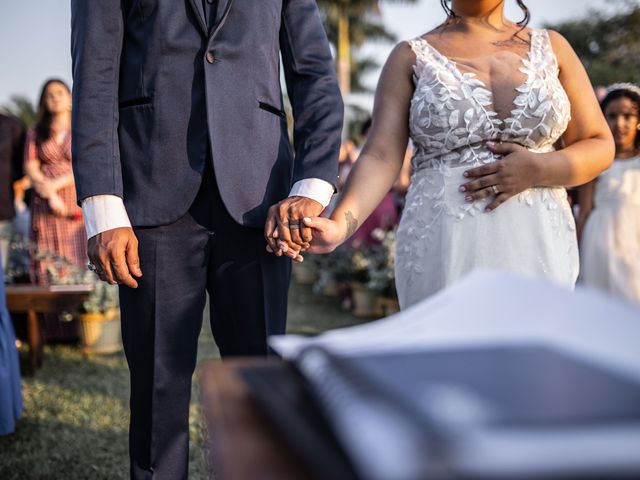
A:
(403, 54)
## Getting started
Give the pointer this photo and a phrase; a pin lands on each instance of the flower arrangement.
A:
(102, 299)
(61, 271)
(381, 270)
(369, 265)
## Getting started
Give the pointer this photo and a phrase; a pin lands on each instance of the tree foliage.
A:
(608, 45)
(21, 108)
(365, 24)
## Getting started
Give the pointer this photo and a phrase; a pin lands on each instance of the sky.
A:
(34, 35)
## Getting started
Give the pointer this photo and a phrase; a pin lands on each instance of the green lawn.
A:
(76, 408)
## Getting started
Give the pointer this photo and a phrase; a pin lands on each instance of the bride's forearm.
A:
(369, 181)
(576, 164)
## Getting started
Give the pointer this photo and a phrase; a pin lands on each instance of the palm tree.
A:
(349, 23)
(21, 108)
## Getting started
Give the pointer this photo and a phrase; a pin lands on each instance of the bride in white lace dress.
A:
(484, 101)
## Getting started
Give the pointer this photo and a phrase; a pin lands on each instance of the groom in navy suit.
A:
(181, 156)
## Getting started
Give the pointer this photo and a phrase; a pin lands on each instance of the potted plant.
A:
(305, 273)
(100, 322)
(382, 272)
(363, 297)
(100, 316)
(330, 270)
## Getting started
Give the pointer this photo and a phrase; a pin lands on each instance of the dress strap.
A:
(418, 47)
(427, 55)
(543, 54)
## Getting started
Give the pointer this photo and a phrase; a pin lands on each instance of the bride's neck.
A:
(480, 14)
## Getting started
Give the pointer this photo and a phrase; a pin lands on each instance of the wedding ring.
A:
(494, 189)
(294, 225)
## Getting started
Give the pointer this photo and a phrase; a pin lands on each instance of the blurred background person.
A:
(401, 187)
(10, 392)
(348, 156)
(609, 220)
(385, 216)
(57, 227)
(11, 155)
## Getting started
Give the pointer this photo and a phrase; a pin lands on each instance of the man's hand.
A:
(285, 231)
(115, 256)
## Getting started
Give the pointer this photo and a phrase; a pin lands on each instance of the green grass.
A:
(76, 411)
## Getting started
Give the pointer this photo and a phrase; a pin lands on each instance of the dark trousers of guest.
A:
(204, 251)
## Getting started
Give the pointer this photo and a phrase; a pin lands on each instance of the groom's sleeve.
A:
(313, 90)
(96, 43)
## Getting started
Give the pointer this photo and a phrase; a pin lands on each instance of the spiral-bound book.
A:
(498, 376)
(523, 411)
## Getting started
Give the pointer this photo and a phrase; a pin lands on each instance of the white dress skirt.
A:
(610, 250)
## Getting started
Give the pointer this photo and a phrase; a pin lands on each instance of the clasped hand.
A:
(285, 230)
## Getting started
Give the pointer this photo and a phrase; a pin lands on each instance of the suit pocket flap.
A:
(271, 109)
(135, 102)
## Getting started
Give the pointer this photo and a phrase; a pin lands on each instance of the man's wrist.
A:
(314, 188)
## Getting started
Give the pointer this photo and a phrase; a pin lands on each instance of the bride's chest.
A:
(495, 97)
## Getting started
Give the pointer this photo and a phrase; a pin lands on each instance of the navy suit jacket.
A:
(155, 83)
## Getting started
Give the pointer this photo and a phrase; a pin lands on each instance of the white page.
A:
(489, 307)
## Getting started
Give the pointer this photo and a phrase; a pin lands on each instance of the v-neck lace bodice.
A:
(452, 112)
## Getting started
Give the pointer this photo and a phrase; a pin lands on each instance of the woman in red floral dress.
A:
(56, 220)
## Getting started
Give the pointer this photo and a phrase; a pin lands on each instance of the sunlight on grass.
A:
(76, 415)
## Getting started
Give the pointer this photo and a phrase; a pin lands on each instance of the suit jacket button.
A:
(210, 57)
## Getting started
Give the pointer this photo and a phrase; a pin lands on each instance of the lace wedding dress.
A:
(441, 237)
(610, 256)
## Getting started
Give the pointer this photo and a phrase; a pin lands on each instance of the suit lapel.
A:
(222, 12)
(200, 15)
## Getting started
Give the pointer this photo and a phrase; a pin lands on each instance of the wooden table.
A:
(35, 299)
(242, 444)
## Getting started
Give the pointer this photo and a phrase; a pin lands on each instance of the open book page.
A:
(489, 307)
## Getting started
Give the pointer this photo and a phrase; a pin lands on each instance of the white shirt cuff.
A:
(314, 188)
(102, 213)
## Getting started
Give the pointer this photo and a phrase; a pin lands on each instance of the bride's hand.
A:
(327, 234)
(504, 178)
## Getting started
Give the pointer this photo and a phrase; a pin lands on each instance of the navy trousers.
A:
(204, 251)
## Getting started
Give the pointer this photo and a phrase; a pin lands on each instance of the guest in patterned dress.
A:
(56, 222)
(384, 216)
